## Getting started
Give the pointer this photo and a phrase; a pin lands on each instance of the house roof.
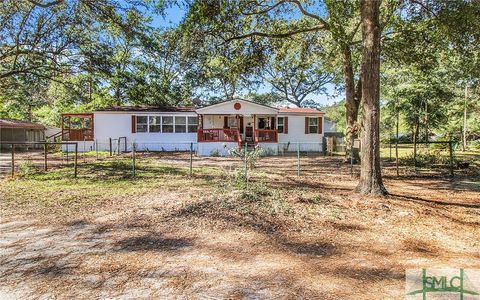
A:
(299, 110)
(149, 108)
(19, 124)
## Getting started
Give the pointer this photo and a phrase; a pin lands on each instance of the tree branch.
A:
(276, 35)
(45, 5)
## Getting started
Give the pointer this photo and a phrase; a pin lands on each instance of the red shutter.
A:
(320, 125)
(134, 123)
(225, 122)
(285, 125)
(306, 125)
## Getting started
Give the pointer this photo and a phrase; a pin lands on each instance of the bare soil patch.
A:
(175, 236)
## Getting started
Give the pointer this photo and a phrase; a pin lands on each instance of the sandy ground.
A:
(321, 240)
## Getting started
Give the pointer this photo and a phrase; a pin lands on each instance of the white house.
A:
(210, 130)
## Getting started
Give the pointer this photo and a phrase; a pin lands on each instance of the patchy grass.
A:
(167, 234)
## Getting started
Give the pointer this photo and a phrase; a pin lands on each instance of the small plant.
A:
(215, 153)
(27, 168)
(251, 156)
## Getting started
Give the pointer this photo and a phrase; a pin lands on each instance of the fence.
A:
(422, 155)
(35, 153)
(291, 159)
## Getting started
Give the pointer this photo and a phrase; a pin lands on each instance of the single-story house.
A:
(213, 129)
(19, 132)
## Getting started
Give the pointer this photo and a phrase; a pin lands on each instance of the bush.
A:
(26, 168)
(475, 145)
(426, 159)
(251, 156)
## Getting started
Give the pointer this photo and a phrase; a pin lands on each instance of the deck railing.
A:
(266, 136)
(219, 135)
(83, 134)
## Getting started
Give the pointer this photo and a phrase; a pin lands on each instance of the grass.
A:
(97, 183)
(211, 234)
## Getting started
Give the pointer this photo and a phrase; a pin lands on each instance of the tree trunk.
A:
(415, 139)
(351, 103)
(464, 144)
(370, 172)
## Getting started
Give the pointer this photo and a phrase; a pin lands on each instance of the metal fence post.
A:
(191, 158)
(246, 162)
(96, 148)
(298, 159)
(133, 160)
(75, 160)
(45, 156)
(67, 151)
(110, 142)
(13, 160)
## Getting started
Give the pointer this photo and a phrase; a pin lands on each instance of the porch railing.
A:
(83, 134)
(219, 135)
(266, 136)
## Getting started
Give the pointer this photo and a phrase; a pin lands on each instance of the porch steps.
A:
(250, 146)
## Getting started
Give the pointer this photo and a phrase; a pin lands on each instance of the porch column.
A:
(200, 128)
(254, 127)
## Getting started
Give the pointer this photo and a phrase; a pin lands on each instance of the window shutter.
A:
(285, 125)
(134, 123)
(241, 124)
(320, 125)
(272, 125)
(306, 125)
(225, 122)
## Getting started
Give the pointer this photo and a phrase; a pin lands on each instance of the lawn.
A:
(165, 233)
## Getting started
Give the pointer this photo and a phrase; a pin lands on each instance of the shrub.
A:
(251, 156)
(26, 168)
(475, 145)
(426, 159)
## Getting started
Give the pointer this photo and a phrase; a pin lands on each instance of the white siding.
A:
(214, 148)
(296, 134)
(115, 124)
(247, 108)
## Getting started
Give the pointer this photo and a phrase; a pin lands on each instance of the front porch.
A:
(240, 129)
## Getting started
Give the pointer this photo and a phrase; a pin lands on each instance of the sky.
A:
(175, 14)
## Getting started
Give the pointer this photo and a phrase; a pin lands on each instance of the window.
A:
(312, 125)
(153, 124)
(167, 124)
(180, 124)
(142, 123)
(232, 122)
(192, 124)
(281, 124)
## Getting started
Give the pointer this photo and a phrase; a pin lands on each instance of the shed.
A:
(20, 131)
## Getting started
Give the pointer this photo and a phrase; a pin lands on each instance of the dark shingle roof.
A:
(150, 108)
(19, 124)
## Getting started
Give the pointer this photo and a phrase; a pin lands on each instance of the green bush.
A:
(26, 168)
(475, 145)
(426, 159)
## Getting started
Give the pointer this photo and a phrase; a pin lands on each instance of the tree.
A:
(371, 182)
(297, 68)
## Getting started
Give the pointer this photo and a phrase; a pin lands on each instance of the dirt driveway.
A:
(290, 238)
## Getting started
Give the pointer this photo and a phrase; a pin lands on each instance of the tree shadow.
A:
(393, 196)
(151, 242)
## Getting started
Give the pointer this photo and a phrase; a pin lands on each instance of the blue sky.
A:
(175, 14)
